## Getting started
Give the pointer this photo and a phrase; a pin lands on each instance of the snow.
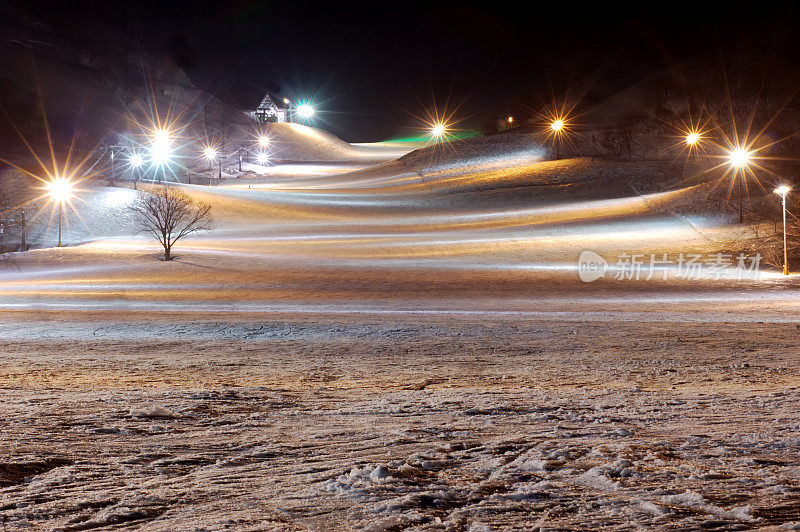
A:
(401, 346)
(518, 426)
(152, 411)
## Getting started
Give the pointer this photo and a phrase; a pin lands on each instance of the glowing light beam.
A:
(739, 158)
(305, 111)
(438, 130)
(59, 189)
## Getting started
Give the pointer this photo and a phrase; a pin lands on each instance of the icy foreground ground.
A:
(402, 423)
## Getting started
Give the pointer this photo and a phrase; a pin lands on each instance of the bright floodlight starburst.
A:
(59, 189)
(136, 160)
(305, 111)
(159, 153)
(739, 158)
(161, 136)
(263, 141)
(557, 125)
(557, 120)
(210, 153)
(438, 130)
(262, 158)
(692, 138)
(438, 123)
(161, 146)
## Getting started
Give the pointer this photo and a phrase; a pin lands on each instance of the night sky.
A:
(371, 68)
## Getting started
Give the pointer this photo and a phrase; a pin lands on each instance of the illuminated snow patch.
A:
(118, 197)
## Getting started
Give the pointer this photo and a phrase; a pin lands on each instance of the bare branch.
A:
(169, 214)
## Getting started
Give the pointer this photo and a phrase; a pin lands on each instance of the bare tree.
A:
(169, 214)
(612, 140)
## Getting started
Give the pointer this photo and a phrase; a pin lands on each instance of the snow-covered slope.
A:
(298, 142)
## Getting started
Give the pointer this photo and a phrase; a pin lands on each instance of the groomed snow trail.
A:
(404, 346)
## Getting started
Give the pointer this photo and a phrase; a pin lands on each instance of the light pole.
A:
(287, 110)
(739, 159)
(60, 190)
(161, 150)
(692, 141)
(136, 161)
(113, 172)
(782, 191)
(558, 127)
(210, 155)
(22, 230)
(261, 153)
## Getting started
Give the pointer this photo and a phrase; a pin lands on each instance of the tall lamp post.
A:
(739, 159)
(136, 161)
(210, 155)
(557, 126)
(782, 191)
(60, 190)
(692, 141)
(113, 170)
(161, 151)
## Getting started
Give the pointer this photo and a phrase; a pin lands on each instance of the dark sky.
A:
(372, 67)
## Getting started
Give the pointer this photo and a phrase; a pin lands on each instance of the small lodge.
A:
(269, 111)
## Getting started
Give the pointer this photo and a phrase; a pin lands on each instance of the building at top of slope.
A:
(270, 111)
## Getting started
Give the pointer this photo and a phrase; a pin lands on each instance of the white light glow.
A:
(783, 190)
(305, 111)
(438, 130)
(136, 160)
(692, 138)
(160, 153)
(262, 158)
(60, 189)
(118, 197)
(738, 158)
(263, 141)
(161, 136)
(161, 147)
(210, 153)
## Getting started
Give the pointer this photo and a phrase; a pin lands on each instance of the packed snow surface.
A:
(400, 346)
